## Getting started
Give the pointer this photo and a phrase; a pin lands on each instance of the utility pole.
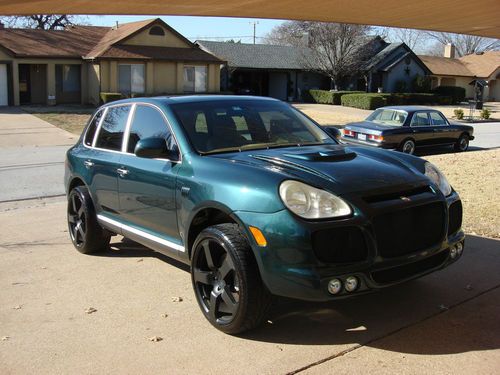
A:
(255, 23)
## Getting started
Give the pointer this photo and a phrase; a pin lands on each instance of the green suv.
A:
(258, 200)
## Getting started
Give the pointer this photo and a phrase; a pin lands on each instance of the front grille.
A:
(454, 217)
(408, 230)
(406, 271)
(339, 245)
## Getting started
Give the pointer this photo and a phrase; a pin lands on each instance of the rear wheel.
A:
(408, 146)
(226, 280)
(85, 232)
(462, 143)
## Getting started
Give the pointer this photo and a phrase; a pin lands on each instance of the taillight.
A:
(376, 138)
(349, 133)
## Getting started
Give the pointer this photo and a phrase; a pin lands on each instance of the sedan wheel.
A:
(408, 147)
(226, 280)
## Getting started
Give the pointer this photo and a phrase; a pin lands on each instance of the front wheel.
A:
(226, 280)
(85, 232)
(462, 143)
(408, 146)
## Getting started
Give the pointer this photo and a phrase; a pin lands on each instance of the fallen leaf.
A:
(177, 299)
(155, 338)
(90, 310)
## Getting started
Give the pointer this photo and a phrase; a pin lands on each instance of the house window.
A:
(195, 79)
(131, 78)
(156, 30)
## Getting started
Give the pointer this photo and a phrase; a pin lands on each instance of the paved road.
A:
(31, 156)
(444, 323)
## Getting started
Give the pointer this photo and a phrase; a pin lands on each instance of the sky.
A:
(214, 28)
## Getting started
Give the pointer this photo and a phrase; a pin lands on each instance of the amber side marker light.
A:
(258, 236)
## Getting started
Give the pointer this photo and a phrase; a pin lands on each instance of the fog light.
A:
(334, 286)
(351, 284)
(460, 248)
(453, 252)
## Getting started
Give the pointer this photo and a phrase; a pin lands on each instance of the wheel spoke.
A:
(229, 300)
(226, 267)
(208, 255)
(204, 277)
(213, 305)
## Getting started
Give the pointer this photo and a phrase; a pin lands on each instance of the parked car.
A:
(406, 128)
(258, 200)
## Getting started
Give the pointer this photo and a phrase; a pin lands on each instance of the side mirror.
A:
(154, 147)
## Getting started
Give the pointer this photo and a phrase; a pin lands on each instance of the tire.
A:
(86, 234)
(226, 280)
(462, 143)
(408, 146)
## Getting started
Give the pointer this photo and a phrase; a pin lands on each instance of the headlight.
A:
(311, 203)
(438, 178)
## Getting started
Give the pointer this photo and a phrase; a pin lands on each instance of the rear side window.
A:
(110, 136)
(89, 136)
(437, 119)
(148, 122)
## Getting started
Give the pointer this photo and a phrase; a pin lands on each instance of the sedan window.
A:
(437, 119)
(420, 119)
(110, 135)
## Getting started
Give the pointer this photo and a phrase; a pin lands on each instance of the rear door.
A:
(105, 159)
(443, 132)
(147, 186)
(421, 128)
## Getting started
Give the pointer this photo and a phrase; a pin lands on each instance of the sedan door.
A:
(421, 129)
(147, 186)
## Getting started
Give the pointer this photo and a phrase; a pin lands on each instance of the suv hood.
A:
(341, 169)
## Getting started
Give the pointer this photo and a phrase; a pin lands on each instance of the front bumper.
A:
(290, 267)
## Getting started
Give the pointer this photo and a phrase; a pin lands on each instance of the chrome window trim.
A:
(127, 129)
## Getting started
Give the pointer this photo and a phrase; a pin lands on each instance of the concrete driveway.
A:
(31, 156)
(444, 323)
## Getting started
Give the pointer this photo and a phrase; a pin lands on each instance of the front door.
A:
(147, 186)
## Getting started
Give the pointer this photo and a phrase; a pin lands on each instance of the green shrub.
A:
(327, 97)
(364, 101)
(421, 84)
(459, 114)
(107, 97)
(457, 94)
(485, 114)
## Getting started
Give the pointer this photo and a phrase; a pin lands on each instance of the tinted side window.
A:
(420, 119)
(89, 136)
(437, 119)
(148, 122)
(113, 126)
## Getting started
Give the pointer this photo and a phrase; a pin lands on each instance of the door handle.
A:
(122, 172)
(88, 164)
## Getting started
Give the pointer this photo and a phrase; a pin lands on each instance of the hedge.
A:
(327, 97)
(364, 101)
(107, 97)
(457, 94)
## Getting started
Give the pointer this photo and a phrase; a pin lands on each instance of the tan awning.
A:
(479, 17)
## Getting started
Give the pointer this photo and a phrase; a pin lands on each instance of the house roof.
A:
(158, 53)
(257, 56)
(475, 65)
(74, 41)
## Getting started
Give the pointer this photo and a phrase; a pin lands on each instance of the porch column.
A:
(113, 76)
(180, 78)
(150, 77)
(51, 83)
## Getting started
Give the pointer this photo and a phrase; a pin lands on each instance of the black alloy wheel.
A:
(226, 280)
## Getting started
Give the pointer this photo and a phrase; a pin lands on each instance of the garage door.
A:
(4, 99)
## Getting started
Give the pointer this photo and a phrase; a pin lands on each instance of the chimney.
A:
(449, 51)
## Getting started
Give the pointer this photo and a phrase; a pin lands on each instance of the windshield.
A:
(388, 117)
(236, 125)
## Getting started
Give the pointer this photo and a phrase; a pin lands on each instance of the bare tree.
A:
(42, 21)
(334, 48)
(466, 44)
